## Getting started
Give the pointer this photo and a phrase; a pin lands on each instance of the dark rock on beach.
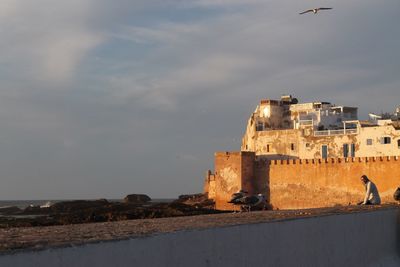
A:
(196, 200)
(77, 205)
(86, 211)
(9, 210)
(137, 198)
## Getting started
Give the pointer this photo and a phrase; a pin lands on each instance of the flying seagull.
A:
(315, 10)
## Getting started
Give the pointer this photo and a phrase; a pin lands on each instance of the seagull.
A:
(236, 197)
(315, 10)
(247, 202)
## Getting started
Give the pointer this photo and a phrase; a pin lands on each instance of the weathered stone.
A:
(200, 200)
(71, 206)
(82, 211)
(9, 210)
(137, 198)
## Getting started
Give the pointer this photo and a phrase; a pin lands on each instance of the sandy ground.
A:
(17, 239)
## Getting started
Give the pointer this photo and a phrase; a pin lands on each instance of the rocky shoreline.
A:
(135, 206)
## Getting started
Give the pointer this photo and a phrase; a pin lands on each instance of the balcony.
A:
(335, 132)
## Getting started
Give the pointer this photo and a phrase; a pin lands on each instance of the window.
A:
(345, 150)
(324, 151)
(292, 147)
(353, 150)
(260, 126)
(385, 140)
(307, 145)
(267, 148)
(398, 143)
(369, 142)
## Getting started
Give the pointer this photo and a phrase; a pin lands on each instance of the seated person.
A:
(371, 192)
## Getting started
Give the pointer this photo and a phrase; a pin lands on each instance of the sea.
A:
(22, 204)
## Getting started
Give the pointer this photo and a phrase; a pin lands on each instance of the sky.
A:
(106, 98)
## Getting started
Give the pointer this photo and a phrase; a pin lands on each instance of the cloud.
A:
(270, 45)
(46, 40)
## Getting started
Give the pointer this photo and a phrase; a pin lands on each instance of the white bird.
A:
(315, 10)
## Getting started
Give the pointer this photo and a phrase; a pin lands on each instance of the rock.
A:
(34, 210)
(137, 198)
(193, 197)
(196, 200)
(77, 205)
(9, 210)
(88, 211)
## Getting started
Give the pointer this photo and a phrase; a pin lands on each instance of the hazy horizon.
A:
(102, 99)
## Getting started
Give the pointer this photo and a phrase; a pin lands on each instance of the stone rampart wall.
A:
(297, 184)
(329, 182)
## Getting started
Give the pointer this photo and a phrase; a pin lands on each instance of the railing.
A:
(351, 131)
(305, 122)
(335, 132)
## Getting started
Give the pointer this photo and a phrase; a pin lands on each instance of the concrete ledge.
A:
(366, 238)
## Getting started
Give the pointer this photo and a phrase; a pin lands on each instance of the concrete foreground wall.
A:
(358, 239)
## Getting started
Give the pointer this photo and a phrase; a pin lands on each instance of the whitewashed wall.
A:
(359, 239)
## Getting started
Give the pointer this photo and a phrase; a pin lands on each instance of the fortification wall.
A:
(321, 183)
(228, 178)
(234, 171)
(297, 184)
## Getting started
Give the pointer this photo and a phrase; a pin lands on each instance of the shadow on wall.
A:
(259, 182)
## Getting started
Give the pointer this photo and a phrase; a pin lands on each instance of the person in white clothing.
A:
(371, 192)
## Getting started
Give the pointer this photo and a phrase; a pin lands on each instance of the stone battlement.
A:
(334, 160)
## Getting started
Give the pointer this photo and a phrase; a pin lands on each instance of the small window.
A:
(398, 143)
(385, 140)
(369, 142)
(345, 150)
(260, 126)
(292, 147)
(267, 148)
(308, 145)
(324, 151)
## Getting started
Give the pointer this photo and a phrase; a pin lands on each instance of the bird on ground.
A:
(235, 198)
(247, 202)
(315, 10)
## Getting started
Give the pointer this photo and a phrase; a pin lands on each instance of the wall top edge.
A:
(228, 153)
(335, 160)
